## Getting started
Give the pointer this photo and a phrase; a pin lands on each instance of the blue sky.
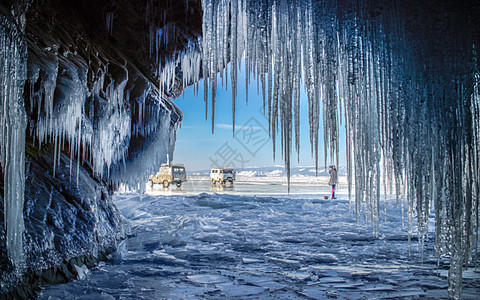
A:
(199, 149)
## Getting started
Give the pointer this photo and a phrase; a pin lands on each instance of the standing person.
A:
(333, 179)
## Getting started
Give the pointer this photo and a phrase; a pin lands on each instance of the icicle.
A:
(363, 72)
(13, 124)
(109, 22)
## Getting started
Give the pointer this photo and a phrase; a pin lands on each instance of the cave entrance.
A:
(88, 111)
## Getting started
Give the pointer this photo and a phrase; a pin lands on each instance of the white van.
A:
(168, 174)
(222, 175)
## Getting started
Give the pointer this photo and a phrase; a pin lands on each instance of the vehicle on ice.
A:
(169, 174)
(222, 176)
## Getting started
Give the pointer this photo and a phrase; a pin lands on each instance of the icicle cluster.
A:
(106, 114)
(184, 65)
(13, 123)
(412, 123)
(155, 130)
(68, 113)
(88, 111)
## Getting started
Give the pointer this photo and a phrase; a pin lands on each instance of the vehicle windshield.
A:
(178, 171)
(228, 171)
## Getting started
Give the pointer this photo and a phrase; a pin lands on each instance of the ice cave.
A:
(89, 111)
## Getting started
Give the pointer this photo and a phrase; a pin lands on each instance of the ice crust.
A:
(262, 246)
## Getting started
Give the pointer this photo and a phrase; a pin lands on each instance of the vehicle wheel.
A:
(213, 181)
(223, 182)
(179, 184)
(165, 184)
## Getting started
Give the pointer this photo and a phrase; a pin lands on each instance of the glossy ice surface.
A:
(253, 241)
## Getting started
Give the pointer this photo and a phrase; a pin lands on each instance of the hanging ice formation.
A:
(12, 134)
(79, 99)
(103, 116)
(407, 90)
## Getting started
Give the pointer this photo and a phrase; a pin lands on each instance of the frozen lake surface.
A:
(253, 241)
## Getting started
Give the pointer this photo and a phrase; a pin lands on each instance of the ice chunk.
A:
(284, 260)
(314, 292)
(207, 278)
(82, 271)
(297, 275)
(331, 280)
(323, 258)
(232, 290)
(379, 287)
(250, 260)
(162, 254)
(121, 252)
(271, 285)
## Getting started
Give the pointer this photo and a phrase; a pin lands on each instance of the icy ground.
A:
(250, 241)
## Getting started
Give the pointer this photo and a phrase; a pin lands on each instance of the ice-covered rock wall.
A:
(401, 75)
(93, 105)
(69, 222)
(80, 92)
(92, 85)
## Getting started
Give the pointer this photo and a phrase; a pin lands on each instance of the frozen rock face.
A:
(65, 218)
(80, 84)
(91, 89)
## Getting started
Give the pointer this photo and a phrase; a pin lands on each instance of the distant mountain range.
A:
(276, 171)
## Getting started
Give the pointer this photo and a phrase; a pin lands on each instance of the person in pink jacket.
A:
(333, 179)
